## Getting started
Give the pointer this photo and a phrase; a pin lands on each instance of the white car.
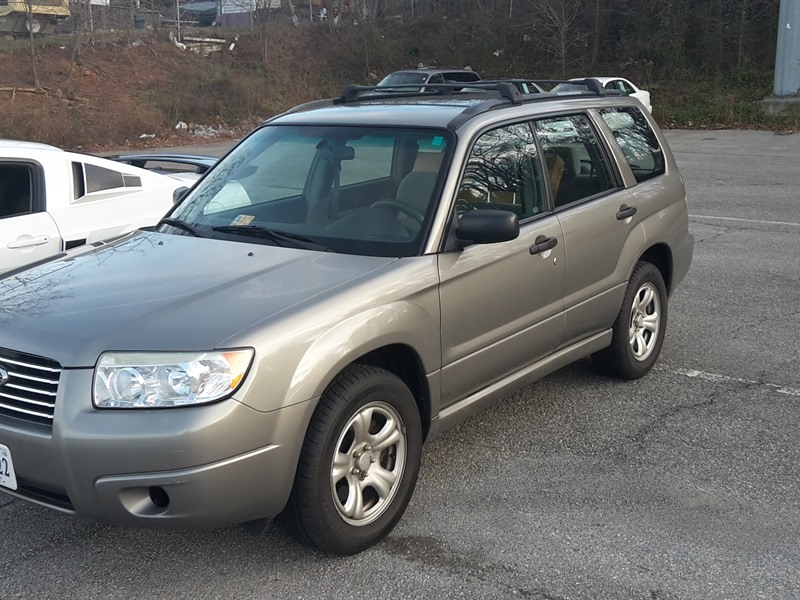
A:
(52, 200)
(610, 83)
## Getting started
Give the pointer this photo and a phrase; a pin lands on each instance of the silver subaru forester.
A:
(353, 278)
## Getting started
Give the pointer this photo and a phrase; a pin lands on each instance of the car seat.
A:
(400, 218)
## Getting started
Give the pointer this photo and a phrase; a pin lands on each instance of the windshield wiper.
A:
(281, 238)
(183, 225)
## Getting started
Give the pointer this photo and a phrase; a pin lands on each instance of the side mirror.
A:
(179, 194)
(487, 226)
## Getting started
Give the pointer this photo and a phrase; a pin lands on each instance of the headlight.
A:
(167, 379)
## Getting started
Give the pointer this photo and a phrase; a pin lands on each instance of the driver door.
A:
(501, 303)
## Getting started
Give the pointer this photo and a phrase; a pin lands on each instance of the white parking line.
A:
(715, 377)
(744, 220)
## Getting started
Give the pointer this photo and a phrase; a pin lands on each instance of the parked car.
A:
(619, 84)
(52, 200)
(353, 278)
(525, 86)
(428, 75)
(184, 166)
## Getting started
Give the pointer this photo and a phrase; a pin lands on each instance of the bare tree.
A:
(78, 24)
(751, 12)
(561, 21)
(674, 18)
(31, 22)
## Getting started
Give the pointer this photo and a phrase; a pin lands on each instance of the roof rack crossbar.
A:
(354, 93)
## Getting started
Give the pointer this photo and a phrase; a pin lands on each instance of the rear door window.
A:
(577, 165)
(625, 87)
(16, 190)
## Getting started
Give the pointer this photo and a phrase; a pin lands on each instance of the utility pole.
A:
(786, 92)
(787, 58)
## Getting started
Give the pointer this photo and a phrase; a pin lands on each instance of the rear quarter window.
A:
(89, 179)
(637, 140)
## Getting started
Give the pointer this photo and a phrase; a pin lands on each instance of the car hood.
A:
(152, 291)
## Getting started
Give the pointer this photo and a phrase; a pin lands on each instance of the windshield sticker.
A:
(437, 141)
(243, 220)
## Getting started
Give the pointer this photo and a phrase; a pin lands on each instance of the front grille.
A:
(29, 391)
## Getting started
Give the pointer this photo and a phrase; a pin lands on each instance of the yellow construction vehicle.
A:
(19, 17)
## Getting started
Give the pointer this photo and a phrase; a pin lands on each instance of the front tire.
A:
(638, 331)
(359, 463)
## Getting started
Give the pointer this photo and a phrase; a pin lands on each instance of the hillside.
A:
(131, 89)
(120, 95)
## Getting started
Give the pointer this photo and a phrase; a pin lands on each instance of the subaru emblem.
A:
(3, 376)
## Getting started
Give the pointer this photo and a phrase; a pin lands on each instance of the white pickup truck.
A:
(52, 200)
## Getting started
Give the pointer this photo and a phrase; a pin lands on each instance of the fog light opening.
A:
(159, 497)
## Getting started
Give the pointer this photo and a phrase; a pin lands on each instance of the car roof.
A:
(435, 70)
(23, 145)
(603, 80)
(436, 112)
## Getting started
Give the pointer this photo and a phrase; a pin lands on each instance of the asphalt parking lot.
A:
(682, 485)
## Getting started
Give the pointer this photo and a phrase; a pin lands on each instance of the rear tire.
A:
(638, 331)
(33, 25)
(359, 464)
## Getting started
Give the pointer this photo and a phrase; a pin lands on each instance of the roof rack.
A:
(508, 88)
(593, 88)
(507, 91)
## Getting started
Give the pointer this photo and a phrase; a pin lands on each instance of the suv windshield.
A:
(352, 190)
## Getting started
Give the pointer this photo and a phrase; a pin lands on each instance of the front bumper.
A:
(195, 467)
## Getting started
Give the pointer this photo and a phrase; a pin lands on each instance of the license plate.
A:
(7, 477)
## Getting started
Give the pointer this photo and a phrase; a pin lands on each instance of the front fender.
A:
(405, 323)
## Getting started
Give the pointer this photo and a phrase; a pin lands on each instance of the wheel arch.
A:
(660, 256)
(404, 362)
(396, 338)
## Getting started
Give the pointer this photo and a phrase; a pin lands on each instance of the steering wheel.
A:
(401, 207)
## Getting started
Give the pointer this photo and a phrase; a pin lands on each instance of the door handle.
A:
(543, 243)
(31, 241)
(625, 212)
